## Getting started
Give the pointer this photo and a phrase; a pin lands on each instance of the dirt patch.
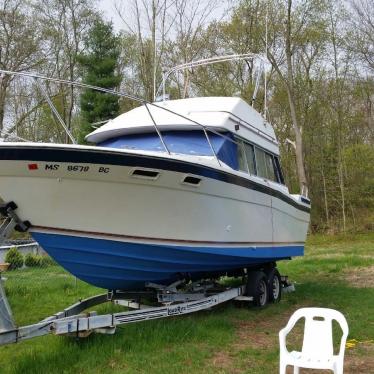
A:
(259, 334)
(255, 334)
(324, 256)
(360, 359)
(228, 363)
(361, 277)
(222, 361)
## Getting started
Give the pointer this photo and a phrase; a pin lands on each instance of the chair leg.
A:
(296, 370)
(339, 367)
(282, 368)
(338, 370)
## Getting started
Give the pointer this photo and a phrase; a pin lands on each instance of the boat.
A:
(178, 189)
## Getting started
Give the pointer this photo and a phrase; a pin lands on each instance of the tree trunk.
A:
(291, 100)
(299, 144)
(342, 193)
(339, 112)
(325, 198)
(154, 55)
(4, 83)
(186, 84)
(2, 106)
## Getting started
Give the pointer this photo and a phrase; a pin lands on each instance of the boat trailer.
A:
(72, 321)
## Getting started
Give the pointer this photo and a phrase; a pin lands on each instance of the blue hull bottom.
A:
(117, 265)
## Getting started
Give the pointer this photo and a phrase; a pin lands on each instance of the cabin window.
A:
(279, 170)
(270, 170)
(246, 157)
(265, 165)
(256, 161)
(250, 158)
(242, 162)
(261, 163)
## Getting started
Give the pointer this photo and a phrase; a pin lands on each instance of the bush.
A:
(47, 261)
(41, 261)
(15, 258)
(31, 260)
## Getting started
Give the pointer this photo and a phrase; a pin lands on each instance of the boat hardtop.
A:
(224, 114)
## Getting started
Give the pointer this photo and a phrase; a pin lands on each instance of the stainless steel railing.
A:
(205, 129)
(37, 77)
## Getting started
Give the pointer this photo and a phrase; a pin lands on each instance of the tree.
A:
(65, 25)
(99, 66)
(242, 33)
(304, 26)
(146, 24)
(191, 17)
(362, 36)
(167, 33)
(58, 40)
(20, 43)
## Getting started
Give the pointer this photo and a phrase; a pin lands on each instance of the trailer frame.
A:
(71, 321)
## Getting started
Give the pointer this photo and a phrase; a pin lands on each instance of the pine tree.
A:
(99, 69)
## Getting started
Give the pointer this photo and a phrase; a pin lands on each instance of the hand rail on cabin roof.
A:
(215, 60)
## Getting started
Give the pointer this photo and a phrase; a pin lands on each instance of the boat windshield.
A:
(180, 142)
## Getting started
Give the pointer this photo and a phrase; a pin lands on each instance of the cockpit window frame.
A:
(278, 173)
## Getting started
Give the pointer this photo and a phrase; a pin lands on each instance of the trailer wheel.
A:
(257, 287)
(274, 286)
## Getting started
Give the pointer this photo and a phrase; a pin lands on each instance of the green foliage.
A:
(41, 261)
(359, 177)
(99, 65)
(15, 258)
(359, 162)
(31, 260)
(49, 128)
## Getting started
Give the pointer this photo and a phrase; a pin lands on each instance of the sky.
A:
(108, 7)
(110, 13)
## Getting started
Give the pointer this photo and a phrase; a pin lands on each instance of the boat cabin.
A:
(240, 136)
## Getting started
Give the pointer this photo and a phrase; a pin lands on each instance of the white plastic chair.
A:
(318, 350)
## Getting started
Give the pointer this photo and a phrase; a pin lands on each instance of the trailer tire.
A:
(274, 286)
(257, 287)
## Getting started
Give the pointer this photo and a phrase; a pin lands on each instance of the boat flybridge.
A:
(174, 190)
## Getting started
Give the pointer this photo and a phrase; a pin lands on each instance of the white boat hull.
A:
(65, 196)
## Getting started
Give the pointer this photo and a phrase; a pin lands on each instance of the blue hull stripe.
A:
(115, 265)
(117, 158)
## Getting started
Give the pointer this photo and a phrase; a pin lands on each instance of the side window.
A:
(265, 165)
(255, 161)
(250, 156)
(270, 168)
(279, 170)
(260, 163)
(242, 163)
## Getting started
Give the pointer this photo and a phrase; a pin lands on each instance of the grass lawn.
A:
(335, 272)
